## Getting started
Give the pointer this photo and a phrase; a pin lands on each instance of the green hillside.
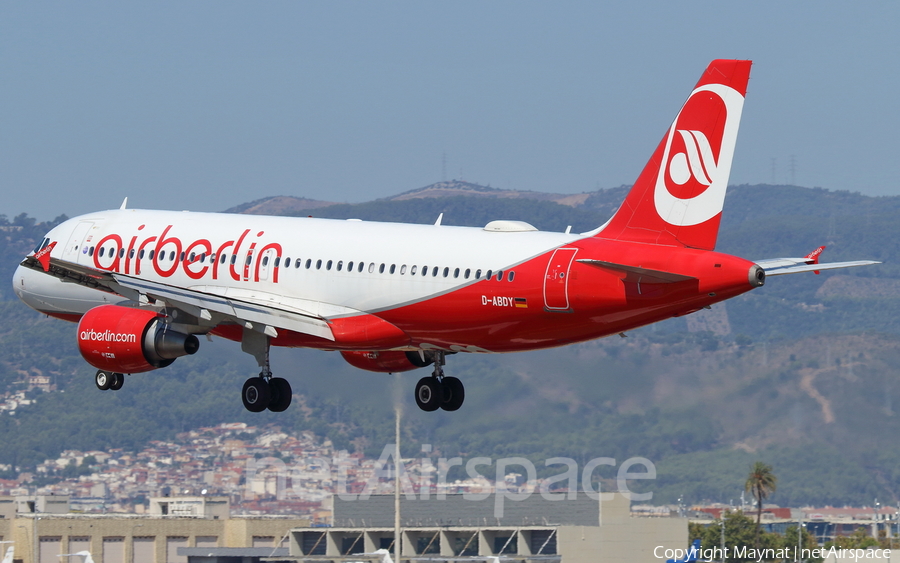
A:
(801, 373)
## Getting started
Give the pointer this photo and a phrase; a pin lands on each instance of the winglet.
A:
(43, 256)
(813, 257)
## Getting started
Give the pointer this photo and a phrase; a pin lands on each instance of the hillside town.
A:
(261, 470)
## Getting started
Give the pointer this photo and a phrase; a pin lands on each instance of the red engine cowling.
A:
(391, 361)
(125, 340)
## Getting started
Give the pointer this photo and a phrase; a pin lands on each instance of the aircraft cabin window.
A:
(102, 251)
(487, 276)
(468, 271)
(478, 274)
(181, 257)
(381, 269)
(456, 273)
(412, 271)
(511, 276)
(287, 262)
(500, 275)
(446, 271)
(203, 258)
(393, 267)
(278, 261)
(319, 264)
(91, 251)
(265, 261)
(434, 271)
(402, 269)
(192, 256)
(233, 259)
(212, 258)
(349, 266)
(121, 253)
(360, 267)
(152, 252)
(371, 267)
(424, 270)
(308, 263)
(131, 254)
(172, 255)
(249, 259)
(328, 265)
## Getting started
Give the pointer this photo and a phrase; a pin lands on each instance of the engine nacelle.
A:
(125, 340)
(391, 361)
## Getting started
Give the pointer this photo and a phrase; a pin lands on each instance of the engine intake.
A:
(124, 340)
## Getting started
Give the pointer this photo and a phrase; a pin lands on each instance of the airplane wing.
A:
(257, 310)
(809, 263)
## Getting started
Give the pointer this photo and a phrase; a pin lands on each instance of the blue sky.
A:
(204, 105)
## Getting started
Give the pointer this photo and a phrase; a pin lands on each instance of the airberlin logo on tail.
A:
(697, 161)
(690, 186)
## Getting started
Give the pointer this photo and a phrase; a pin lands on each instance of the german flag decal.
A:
(521, 303)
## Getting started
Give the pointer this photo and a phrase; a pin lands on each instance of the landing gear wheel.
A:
(118, 380)
(429, 394)
(256, 394)
(281, 394)
(103, 379)
(454, 393)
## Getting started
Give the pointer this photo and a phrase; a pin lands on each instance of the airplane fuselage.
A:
(443, 287)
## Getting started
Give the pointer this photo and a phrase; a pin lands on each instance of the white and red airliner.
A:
(143, 285)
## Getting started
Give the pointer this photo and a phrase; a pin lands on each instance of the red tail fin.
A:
(678, 197)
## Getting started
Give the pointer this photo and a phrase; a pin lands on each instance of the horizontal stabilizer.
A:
(636, 274)
(781, 266)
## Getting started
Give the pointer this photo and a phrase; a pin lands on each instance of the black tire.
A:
(454, 393)
(118, 380)
(256, 394)
(429, 394)
(281, 394)
(103, 379)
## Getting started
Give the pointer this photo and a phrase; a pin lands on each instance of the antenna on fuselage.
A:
(438, 222)
(124, 204)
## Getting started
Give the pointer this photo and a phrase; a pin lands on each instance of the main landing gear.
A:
(109, 380)
(263, 392)
(439, 391)
(266, 392)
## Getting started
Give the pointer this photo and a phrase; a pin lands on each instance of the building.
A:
(178, 523)
(571, 531)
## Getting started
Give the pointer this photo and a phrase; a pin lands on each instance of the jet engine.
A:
(125, 340)
(391, 361)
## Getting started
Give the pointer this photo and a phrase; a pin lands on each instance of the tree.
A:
(760, 483)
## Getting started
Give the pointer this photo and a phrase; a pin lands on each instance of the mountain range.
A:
(800, 373)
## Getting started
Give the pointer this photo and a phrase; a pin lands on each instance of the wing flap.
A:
(263, 314)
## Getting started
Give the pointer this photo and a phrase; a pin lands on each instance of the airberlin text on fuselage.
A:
(207, 261)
